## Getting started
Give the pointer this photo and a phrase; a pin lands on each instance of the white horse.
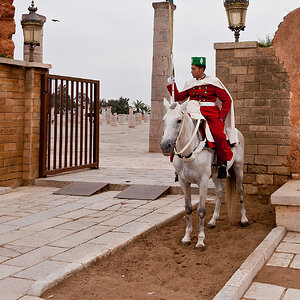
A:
(195, 166)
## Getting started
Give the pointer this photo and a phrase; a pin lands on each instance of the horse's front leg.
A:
(186, 188)
(240, 189)
(202, 210)
(219, 191)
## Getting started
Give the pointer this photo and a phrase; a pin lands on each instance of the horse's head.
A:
(172, 125)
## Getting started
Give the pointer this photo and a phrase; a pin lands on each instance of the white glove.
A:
(171, 80)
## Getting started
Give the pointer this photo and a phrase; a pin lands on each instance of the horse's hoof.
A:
(201, 247)
(186, 243)
(210, 226)
(245, 224)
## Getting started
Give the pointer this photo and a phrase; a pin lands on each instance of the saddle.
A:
(193, 109)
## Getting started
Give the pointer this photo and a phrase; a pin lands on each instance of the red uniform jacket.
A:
(207, 93)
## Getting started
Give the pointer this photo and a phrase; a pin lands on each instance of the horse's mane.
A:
(173, 105)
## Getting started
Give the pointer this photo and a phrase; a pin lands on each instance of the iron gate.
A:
(69, 136)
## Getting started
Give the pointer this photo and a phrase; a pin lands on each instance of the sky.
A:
(112, 40)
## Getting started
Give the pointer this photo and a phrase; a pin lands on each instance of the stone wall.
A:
(7, 28)
(260, 88)
(287, 48)
(20, 85)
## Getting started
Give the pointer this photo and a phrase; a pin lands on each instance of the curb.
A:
(236, 286)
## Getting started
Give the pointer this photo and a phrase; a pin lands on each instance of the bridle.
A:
(197, 150)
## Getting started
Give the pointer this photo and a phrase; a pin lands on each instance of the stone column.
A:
(7, 28)
(161, 70)
(146, 118)
(131, 118)
(114, 120)
(108, 114)
(121, 119)
(138, 118)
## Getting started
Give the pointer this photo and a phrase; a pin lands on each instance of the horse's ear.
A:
(184, 104)
(166, 104)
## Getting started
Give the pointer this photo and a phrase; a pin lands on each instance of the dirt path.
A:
(158, 266)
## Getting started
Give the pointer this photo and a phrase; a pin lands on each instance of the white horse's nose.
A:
(166, 147)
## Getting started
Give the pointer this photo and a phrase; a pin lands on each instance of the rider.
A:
(205, 90)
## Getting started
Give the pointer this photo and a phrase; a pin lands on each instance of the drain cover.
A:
(81, 188)
(143, 192)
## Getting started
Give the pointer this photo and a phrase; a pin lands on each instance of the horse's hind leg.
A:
(219, 191)
(240, 189)
(186, 187)
(202, 211)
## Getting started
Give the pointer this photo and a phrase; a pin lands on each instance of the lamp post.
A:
(32, 27)
(236, 14)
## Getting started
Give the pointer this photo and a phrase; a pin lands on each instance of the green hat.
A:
(199, 61)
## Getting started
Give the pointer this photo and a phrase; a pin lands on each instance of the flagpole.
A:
(171, 52)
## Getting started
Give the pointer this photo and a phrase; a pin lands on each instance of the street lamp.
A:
(236, 14)
(32, 28)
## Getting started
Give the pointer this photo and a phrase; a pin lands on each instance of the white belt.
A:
(207, 103)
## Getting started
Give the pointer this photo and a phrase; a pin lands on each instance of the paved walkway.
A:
(286, 256)
(43, 236)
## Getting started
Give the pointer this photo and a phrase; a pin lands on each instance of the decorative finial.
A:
(32, 9)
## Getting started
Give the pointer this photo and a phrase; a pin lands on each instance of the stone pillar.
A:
(114, 120)
(38, 50)
(161, 70)
(108, 114)
(121, 119)
(20, 102)
(7, 28)
(146, 118)
(138, 118)
(259, 85)
(131, 118)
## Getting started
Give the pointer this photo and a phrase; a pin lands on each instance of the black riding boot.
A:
(222, 170)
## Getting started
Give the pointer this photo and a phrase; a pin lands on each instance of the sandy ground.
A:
(158, 266)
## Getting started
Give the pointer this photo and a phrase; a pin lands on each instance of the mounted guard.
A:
(206, 90)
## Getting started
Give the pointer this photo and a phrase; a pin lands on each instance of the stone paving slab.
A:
(14, 288)
(288, 248)
(264, 291)
(292, 294)
(296, 262)
(280, 260)
(34, 257)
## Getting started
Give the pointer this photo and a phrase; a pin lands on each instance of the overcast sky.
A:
(111, 40)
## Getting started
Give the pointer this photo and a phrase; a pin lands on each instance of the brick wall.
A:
(261, 92)
(20, 84)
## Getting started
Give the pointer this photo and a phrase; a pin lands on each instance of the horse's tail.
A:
(230, 194)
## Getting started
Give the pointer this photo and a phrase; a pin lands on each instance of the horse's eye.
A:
(179, 121)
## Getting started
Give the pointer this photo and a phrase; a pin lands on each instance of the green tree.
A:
(141, 107)
(67, 98)
(120, 106)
